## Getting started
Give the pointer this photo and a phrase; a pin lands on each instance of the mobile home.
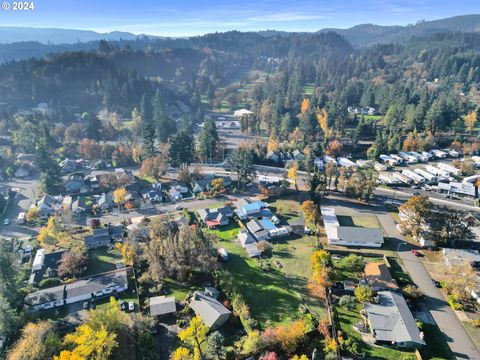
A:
(408, 158)
(417, 179)
(329, 160)
(402, 178)
(342, 161)
(449, 168)
(439, 154)
(425, 174)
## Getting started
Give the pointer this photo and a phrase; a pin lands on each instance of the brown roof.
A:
(378, 276)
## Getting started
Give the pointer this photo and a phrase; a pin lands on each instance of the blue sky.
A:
(190, 17)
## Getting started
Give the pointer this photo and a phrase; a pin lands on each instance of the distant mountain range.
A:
(369, 34)
(359, 35)
(12, 34)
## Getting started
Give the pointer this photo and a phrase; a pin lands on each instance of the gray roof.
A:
(208, 308)
(97, 283)
(45, 295)
(245, 238)
(257, 229)
(161, 305)
(391, 319)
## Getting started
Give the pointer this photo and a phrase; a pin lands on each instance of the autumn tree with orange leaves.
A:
(321, 269)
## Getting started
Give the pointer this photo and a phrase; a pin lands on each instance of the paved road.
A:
(458, 339)
(25, 197)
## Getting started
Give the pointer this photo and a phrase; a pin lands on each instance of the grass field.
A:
(273, 294)
(358, 221)
(286, 209)
(102, 260)
(342, 271)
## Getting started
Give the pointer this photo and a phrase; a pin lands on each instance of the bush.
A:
(354, 262)
(412, 292)
(348, 302)
(475, 323)
(46, 283)
(454, 302)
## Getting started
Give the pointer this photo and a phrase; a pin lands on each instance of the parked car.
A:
(6, 222)
(123, 305)
(436, 283)
(417, 253)
(179, 207)
(336, 257)
(131, 306)
(86, 305)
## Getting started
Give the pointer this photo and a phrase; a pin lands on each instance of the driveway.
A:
(458, 339)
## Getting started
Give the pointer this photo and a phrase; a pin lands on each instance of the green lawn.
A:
(358, 221)
(102, 260)
(273, 294)
(343, 272)
(286, 209)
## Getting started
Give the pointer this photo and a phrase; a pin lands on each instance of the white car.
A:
(6, 222)
(179, 207)
(131, 306)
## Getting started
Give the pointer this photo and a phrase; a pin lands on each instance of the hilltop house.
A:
(212, 311)
(392, 323)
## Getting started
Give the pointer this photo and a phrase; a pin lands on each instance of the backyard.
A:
(102, 260)
(274, 287)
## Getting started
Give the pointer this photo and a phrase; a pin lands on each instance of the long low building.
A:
(83, 289)
(349, 235)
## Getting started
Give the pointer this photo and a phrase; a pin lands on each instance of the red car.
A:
(417, 253)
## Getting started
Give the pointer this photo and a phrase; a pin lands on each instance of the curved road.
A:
(457, 337)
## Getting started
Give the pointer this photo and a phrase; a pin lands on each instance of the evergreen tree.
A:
(148, 147)
(182, 150)
(208, 142)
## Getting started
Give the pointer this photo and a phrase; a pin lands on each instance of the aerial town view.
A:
(253, 180)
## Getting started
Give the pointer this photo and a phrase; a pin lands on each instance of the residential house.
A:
(215, 217)
(22, 172)
(67, 202)
(46, 206)
(174, 195)
(202, 185)
(248, 243)
(297, 155)
(242, 112)
(92, 181)
(97, 286)
(349, 235)
(378, 277)
(154, 195)
(257, 229)
(74, 184)
(273, 156)
(79, 206)
(162, 305)
(45, 265)
(212, 311)
(105, 202)
(392, 323)
(99, 238)
(67, 166)
(250, 210)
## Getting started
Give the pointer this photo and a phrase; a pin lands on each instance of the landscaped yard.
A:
(349, 318)
(286, 209)
(273, 294)
(101, 260)
(343, 271)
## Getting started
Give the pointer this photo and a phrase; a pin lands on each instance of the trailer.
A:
(397, 158)
(417, 179)
(471, 179)
(343, 161)
(452, 153)
(435, 170)
(380, 167)
(425, 174)
(420, 157)
(387, 179)
(387, 160)
(364, 163)
(427, 155)
(457, 188)
(329, 160)
(402, 178)
(439, 154)
(449, 169)
(408, 158)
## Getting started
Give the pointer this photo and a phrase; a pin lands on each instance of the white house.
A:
(349, 235)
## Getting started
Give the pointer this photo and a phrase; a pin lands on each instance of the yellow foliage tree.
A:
(90, 343)
(301, 357)
(50, 234)
(330, 345)
(182, 354)
(272, 144)
(119, 196)
(293, 173)
(322, 118)
(68, 355)
(305, 106)
(128, 252)
(195, 335)
(32, 214)
(309, 210)
(291, 335)
(470, 120)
